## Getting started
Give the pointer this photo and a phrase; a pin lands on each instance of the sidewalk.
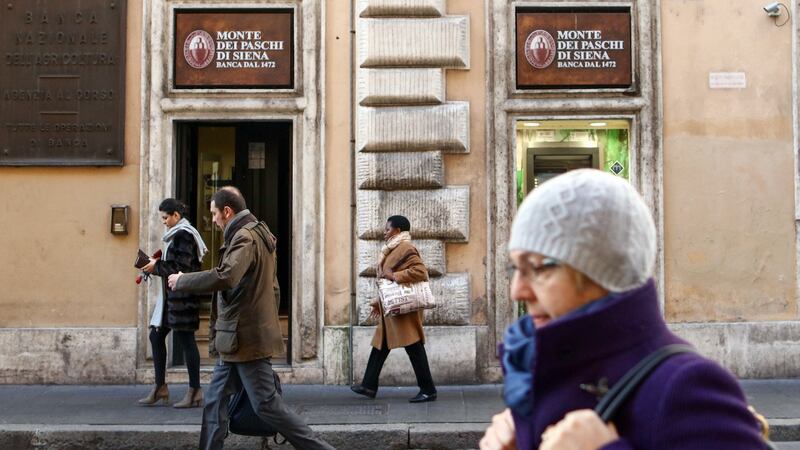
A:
(108, 417)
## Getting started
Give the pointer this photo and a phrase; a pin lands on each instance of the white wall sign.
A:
(256, 155)
(727, 80)
(546, 135)
(578, 136)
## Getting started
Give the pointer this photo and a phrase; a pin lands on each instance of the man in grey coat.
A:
(245, 332)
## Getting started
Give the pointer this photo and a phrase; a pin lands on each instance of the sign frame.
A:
(116, 156)
(518, 58)
(290, 86)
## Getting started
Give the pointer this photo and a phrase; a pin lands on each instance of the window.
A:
(546, 148)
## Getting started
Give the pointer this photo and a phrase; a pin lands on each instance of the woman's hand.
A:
(388, 274)
(501, 434)
(150, 267)
(376, 310)
(578, 430)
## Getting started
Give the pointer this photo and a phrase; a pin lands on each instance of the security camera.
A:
(773, 9)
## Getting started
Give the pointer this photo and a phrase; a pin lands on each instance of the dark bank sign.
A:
(559, 48)
(62, 80)
(243, 48)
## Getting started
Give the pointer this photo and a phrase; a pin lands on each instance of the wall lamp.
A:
(774, 10)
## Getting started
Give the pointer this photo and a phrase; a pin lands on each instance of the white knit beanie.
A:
(593, 221)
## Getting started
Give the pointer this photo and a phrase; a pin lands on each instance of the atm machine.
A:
(544, 163)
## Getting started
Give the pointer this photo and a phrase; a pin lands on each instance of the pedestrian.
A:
(244, 324)
(583, 246)
(178, 312)
(400, 262)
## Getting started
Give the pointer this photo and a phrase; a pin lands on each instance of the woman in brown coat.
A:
(399, 262)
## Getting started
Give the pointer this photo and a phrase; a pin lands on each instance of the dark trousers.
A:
(419, 362)
(158, 338)
(256, 378)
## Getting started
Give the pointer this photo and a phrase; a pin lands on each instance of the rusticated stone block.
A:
(397, 171)
(452, 300)
(451, 354)
(382, 87)
(440, 42)
(432, 253)
(406, 8)
(67, 355)
(336, 350)
(434, 214)
(748, 349)
(441, 127)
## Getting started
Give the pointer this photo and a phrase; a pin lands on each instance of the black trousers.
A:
(158, 338)
(419, 362)
(256, 378)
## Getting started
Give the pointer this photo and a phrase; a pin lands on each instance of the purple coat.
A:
(688, 402)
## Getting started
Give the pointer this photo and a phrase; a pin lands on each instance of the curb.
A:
(782, 430)
(455, 436)
(178, 437)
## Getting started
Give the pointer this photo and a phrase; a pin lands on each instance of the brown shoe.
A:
(192, 399)
(156, 394)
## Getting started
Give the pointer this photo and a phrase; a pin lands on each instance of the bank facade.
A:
(331, 116)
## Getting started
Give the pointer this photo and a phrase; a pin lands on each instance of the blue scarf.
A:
(519, 354)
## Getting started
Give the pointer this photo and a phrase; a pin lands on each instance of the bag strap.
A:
(615, 397)
(265, 234)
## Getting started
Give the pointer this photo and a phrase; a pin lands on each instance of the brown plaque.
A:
(242, 48)
(573, 49)
(62, 81)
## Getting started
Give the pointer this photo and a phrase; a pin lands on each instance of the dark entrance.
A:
(256, 157)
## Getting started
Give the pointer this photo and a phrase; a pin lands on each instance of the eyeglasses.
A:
(533, 273)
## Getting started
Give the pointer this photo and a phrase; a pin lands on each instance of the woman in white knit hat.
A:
(583, 247)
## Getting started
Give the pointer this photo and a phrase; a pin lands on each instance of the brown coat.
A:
(245, 326)
(406, 329)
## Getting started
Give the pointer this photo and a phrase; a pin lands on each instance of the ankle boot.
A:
(156, 394)
(192, 399)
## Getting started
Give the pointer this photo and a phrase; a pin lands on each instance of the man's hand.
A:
(173, 280)
(150, 267)
(578, 430)
(501, 434)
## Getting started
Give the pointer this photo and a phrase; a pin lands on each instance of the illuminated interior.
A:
(546, 148)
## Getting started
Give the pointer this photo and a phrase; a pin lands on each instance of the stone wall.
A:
(404, 125)
(68, 355)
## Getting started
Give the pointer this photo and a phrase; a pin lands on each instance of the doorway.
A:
(256, 157)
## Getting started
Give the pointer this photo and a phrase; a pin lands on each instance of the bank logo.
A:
(198, 49)
(540, 49)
